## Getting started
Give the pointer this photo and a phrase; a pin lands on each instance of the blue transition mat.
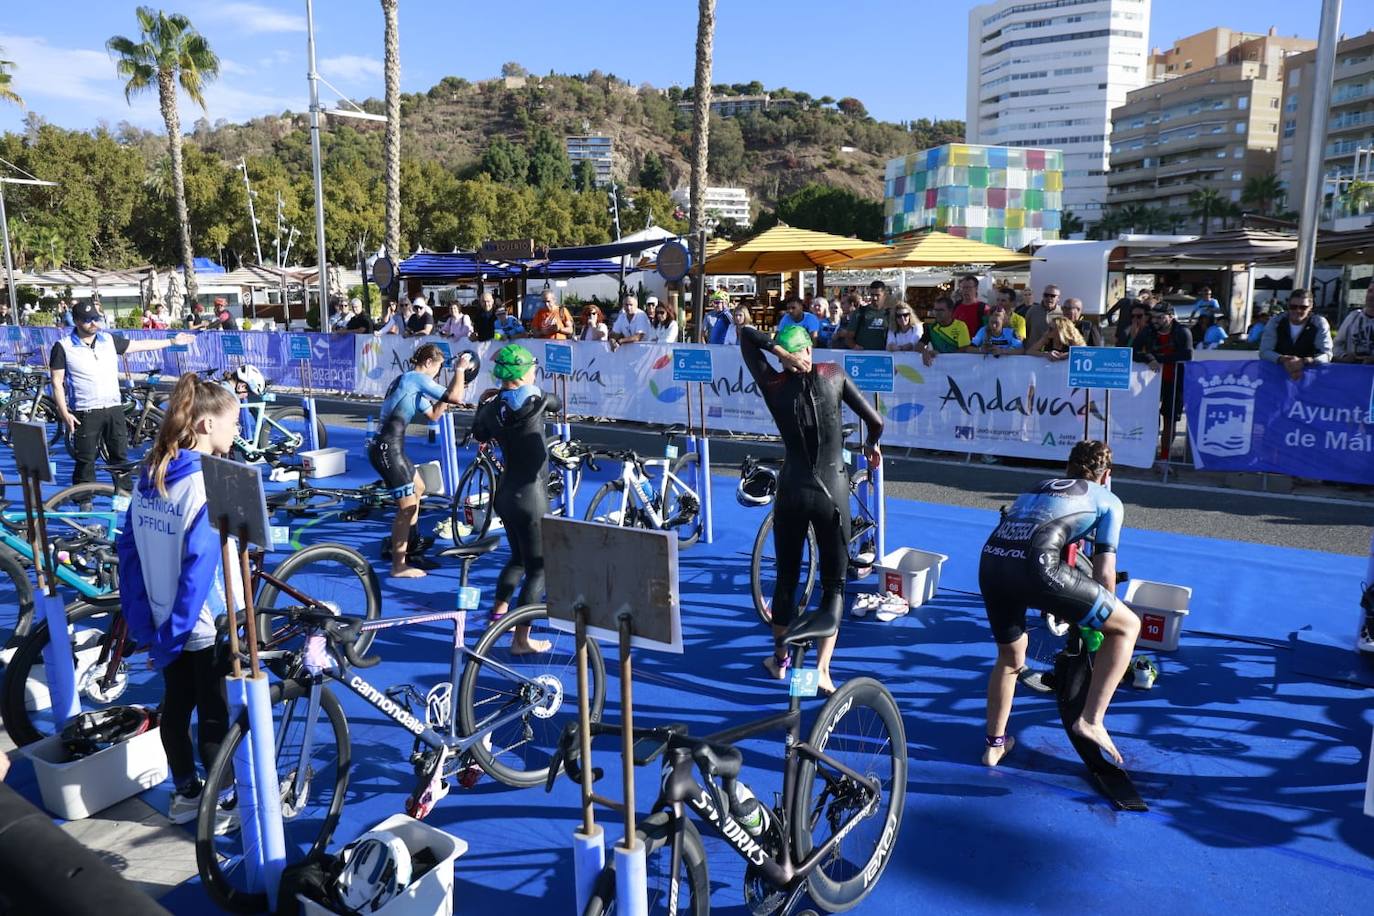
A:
(1253, 764)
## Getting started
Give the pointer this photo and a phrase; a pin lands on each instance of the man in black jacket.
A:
(1162, 346)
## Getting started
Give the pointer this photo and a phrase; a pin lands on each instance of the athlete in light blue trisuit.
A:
(1027, 562)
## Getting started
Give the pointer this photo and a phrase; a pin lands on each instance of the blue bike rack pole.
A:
(58, 661)
(702, 446)
(448, 453)
(270, 836)
(631, 879)
(245, 786)
(589, 858)
(312, 434)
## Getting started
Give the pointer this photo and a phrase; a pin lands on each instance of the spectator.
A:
(1300, 340)
(970, 310)
(594, 324)
(794, 312)
(195, 319)
(63, 318)
(1038, 315)
(820, 307)
(739, 318)
(1256, 329)
(868, 323)
(1207, 334)
(906, 332)
(997, 337)
(458, 327)
(1088, 330)
(484, 319)
(552, 321)
(1129, 329)
(1355, 339)
(338, 314)
(631, 325)
(359, 321)
(1007, 296)
(944, 334)
(156, 318)
(223, 320)
(506, 326)
(420, 321)
(1162, 346)
(1054, 344)
(395, 323)
(716, 322)
(1206, 302)
(662, 323)
(6, 317)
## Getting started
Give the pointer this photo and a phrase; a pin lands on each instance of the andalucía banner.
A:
(1250, 416)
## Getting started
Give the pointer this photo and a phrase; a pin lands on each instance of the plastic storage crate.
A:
(913, 574)
(429, 895)
(1161, 608)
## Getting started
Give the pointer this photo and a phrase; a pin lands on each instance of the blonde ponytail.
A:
(192, 399)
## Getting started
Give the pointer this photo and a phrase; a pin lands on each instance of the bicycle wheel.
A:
(606, 506)
(308, 817)
(290, 421)
(472, 506)
(25, 699)
(143, 427)
(517, 752)
(302, 501)
(16, 603)
(84, 509)
(763, 570)
(694, 883)
(860, 727)
(681, 500)
(336, 575)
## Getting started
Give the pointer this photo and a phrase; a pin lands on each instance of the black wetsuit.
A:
(522, 499)
(813, 487)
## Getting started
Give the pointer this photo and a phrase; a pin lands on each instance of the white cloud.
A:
(351, 68)
(231, 68)
(255, 18)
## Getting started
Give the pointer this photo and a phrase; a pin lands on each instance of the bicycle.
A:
(111, 668)
(633, 499)
(473, 510)
(831, 833)
(27, 401)
(272, 431)
(143, 410)
(504, 720)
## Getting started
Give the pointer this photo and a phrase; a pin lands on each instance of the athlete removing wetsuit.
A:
(412, 395)
(813, 487)
(1027, 562)
(514, 416)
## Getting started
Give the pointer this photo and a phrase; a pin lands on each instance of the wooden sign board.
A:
(233, 496)
(508, 250)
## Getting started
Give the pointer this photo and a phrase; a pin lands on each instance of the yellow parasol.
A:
(783, 249)
(940, 249)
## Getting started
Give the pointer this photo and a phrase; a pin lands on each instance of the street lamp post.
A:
(1325, 68)
(5, 232)
(314, 78)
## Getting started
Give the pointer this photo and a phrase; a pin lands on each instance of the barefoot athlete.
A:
(1027, 563)
(514, 417)
(813, 488)
(412, 395)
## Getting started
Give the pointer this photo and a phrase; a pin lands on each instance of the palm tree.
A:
(49, 248)
(1134, 217)
(391, 140)
(169, 52)
(1264, 192)
(1359, 196)
(6, 93)
(701, 130)
(1070, 223)
(1205, 204)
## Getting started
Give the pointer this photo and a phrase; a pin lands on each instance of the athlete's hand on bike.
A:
(874, 455)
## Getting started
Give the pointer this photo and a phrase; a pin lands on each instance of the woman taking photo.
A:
(662, 322)
(171, 584)
(1055, 342)
(412, 396)
(594, 324)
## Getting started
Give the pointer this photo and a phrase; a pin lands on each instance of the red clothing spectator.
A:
(972, 314)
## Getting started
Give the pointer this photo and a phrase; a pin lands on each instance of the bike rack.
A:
(698, 442)
(448, 454)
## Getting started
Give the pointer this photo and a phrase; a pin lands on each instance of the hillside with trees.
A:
(479, 160)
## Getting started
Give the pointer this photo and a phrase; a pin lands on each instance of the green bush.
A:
(42, 319)
(26, 294)
(132, 319)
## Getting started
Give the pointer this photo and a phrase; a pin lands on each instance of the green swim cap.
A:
(793, 338)
(511, 363)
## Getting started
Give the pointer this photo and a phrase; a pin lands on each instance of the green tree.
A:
(1359, 196)
(852, 107)
(584, 176)
(505, 162)
(652, 175)
(7, 94)
(169, 52)
(825, 208)
(1206, 205)
(511, 68)
(49, 249)
(1070, 223)
(1264, 192)
(727, 153)
(549, 164)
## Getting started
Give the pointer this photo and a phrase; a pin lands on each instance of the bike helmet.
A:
(376, 868)
(794, 338)
(757, 487)
(511, 363)
(252, 378)
(92, 732)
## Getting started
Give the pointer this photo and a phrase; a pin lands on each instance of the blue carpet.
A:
(1253, 768)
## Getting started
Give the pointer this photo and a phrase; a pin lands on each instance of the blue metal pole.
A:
(245, 786)
(448, 453)
(269, 825)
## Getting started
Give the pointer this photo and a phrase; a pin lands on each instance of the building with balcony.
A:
(721, 203)
(1047, 73)
(1196, 52)
(731, 106)
(1215, 126)
(595, 148)
(1348, 123)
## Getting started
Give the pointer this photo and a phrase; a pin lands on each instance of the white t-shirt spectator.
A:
(458, 326)
(595, 332)
(909, 338)
(626, 326)
(663, 333)
(732, 335)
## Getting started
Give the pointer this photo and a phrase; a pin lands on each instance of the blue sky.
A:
(904, 59)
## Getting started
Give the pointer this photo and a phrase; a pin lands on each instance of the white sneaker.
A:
(184, 808)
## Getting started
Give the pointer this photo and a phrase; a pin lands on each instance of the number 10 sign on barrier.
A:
(1108, 368)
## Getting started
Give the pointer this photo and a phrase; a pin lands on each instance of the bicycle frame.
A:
(62, 571)
(631, 478)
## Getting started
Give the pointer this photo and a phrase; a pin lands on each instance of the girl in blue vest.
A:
(170, 582)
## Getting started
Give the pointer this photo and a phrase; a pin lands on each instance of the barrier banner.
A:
(1252, 417)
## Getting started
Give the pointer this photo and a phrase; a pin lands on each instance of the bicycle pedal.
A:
(470, 775)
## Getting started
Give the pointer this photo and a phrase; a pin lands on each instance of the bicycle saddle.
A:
(463, 551)
(813, 626)
(122, 467)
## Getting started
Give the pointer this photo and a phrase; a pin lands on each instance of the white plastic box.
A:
(324, 462)
(76, 789)
(1161, 608)
(429, 895)
(913, 574)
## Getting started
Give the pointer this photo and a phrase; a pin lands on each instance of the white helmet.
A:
(376, 869)
(252, 378)
(757, 486)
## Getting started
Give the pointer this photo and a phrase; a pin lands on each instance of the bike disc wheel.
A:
(517, 752)
(763, 570)
(860, 727)
(25, 699)
(694, 884)
(333, 574)
(308, 818)
(292, 421)
(473, 507)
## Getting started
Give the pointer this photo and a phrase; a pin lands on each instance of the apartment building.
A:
(598, 149)
(721, 203)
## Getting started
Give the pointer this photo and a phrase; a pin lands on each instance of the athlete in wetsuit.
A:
(813, 487)
(1027, 562)
(412, 395)
(514, 417)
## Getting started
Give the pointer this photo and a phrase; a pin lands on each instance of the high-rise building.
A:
(594, 148)
(1213, 124)
(1196, 52)
(1349, 124)
(1047, 73)
(721, 203)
